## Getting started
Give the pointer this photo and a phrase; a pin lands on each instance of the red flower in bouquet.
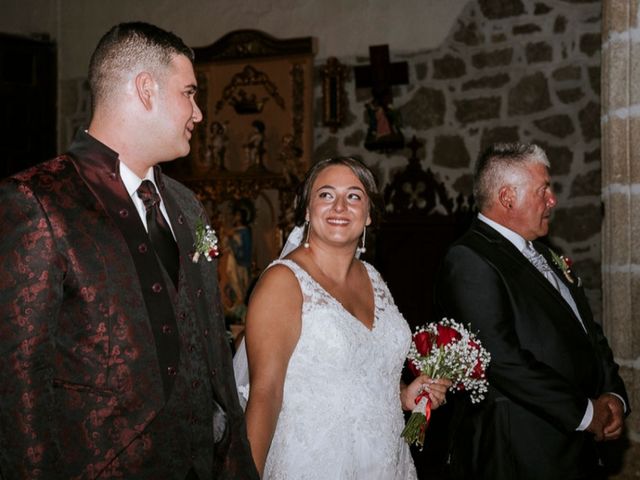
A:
(445, 350)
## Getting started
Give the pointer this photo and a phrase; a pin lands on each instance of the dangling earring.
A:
(361, 249)
(306, 240)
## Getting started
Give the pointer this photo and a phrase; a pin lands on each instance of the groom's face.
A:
(534, 202)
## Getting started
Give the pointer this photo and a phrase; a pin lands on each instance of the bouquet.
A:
(445, 350)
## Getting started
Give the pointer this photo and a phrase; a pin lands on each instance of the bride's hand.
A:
(435, 387)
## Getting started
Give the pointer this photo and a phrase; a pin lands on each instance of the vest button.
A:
(172, 371)
(156, 287)
(166, 329)
(142, 248)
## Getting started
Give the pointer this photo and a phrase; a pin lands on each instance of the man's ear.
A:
(507, 197)
(145, 89)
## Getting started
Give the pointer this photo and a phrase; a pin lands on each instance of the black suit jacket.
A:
(544, 365)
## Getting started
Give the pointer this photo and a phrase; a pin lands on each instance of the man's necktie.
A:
(159, 231)
(538, 261)
(541, 264)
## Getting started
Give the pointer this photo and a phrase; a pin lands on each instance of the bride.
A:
(326, 345)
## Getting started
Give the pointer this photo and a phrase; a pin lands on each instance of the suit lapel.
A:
(517, 258)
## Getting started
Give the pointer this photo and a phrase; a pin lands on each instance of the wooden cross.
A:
(381, 75)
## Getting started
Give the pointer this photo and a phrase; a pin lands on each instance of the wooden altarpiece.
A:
(255, 140)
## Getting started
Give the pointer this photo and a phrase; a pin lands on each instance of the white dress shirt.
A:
(132, 182)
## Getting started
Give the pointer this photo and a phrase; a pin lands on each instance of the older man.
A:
(114, 361)
(554, 387)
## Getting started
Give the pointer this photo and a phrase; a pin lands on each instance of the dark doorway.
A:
(27, 102)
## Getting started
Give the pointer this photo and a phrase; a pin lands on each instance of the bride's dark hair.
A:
(364, 174)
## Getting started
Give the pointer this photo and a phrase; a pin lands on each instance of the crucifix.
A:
(381, 75)
(384, 133)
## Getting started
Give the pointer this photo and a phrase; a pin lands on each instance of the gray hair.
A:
(497, 166)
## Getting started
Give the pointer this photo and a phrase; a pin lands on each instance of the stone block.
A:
(464, 184)
(590, 44)
(493, 58)
(570, 72)
(594, 79)
(425, 109)
(570, 95)
(587, 184)
(593, 156)
(356, 139)
(560, 157)
(450, 151)
(526, 29)
(539, 52)
(448, 67)
(560, 24)
(496, 9)
(541, 9)
(589, 118)
(421, 71)
(498, 135)
(473, 110)
(468, 34)
(576, 224)
(490, 81)
(529, 95)
(557, 125)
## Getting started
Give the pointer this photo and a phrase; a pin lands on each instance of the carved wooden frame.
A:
(280, 71)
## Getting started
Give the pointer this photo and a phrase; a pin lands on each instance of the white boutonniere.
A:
(206, 243)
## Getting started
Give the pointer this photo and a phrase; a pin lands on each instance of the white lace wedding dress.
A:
(341, 415)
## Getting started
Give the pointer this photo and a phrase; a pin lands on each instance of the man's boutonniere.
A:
(206, 243)
(564, 263)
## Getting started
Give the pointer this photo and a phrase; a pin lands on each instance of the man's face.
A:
(533, 203)
(177, 109)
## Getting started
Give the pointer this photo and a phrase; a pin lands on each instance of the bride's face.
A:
(338, 207)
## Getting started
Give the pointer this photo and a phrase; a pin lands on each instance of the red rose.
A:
(446, 335)
(416, 372)
(568, 261)
(423, 343)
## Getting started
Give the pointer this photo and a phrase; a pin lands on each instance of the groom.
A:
(114, 361)
(554, 387)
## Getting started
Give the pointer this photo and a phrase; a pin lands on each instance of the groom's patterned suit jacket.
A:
(106, 369)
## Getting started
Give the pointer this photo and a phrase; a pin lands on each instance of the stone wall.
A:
(517, 70)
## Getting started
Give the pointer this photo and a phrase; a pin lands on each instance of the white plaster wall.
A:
(341, 27)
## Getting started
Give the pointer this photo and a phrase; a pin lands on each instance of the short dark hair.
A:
(496, 162)
(364, 174)
(126, 46)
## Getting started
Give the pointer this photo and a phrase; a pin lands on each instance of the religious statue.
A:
(218, 144)
(254, 148)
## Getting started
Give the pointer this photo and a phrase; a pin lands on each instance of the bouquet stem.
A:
(416, 427)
